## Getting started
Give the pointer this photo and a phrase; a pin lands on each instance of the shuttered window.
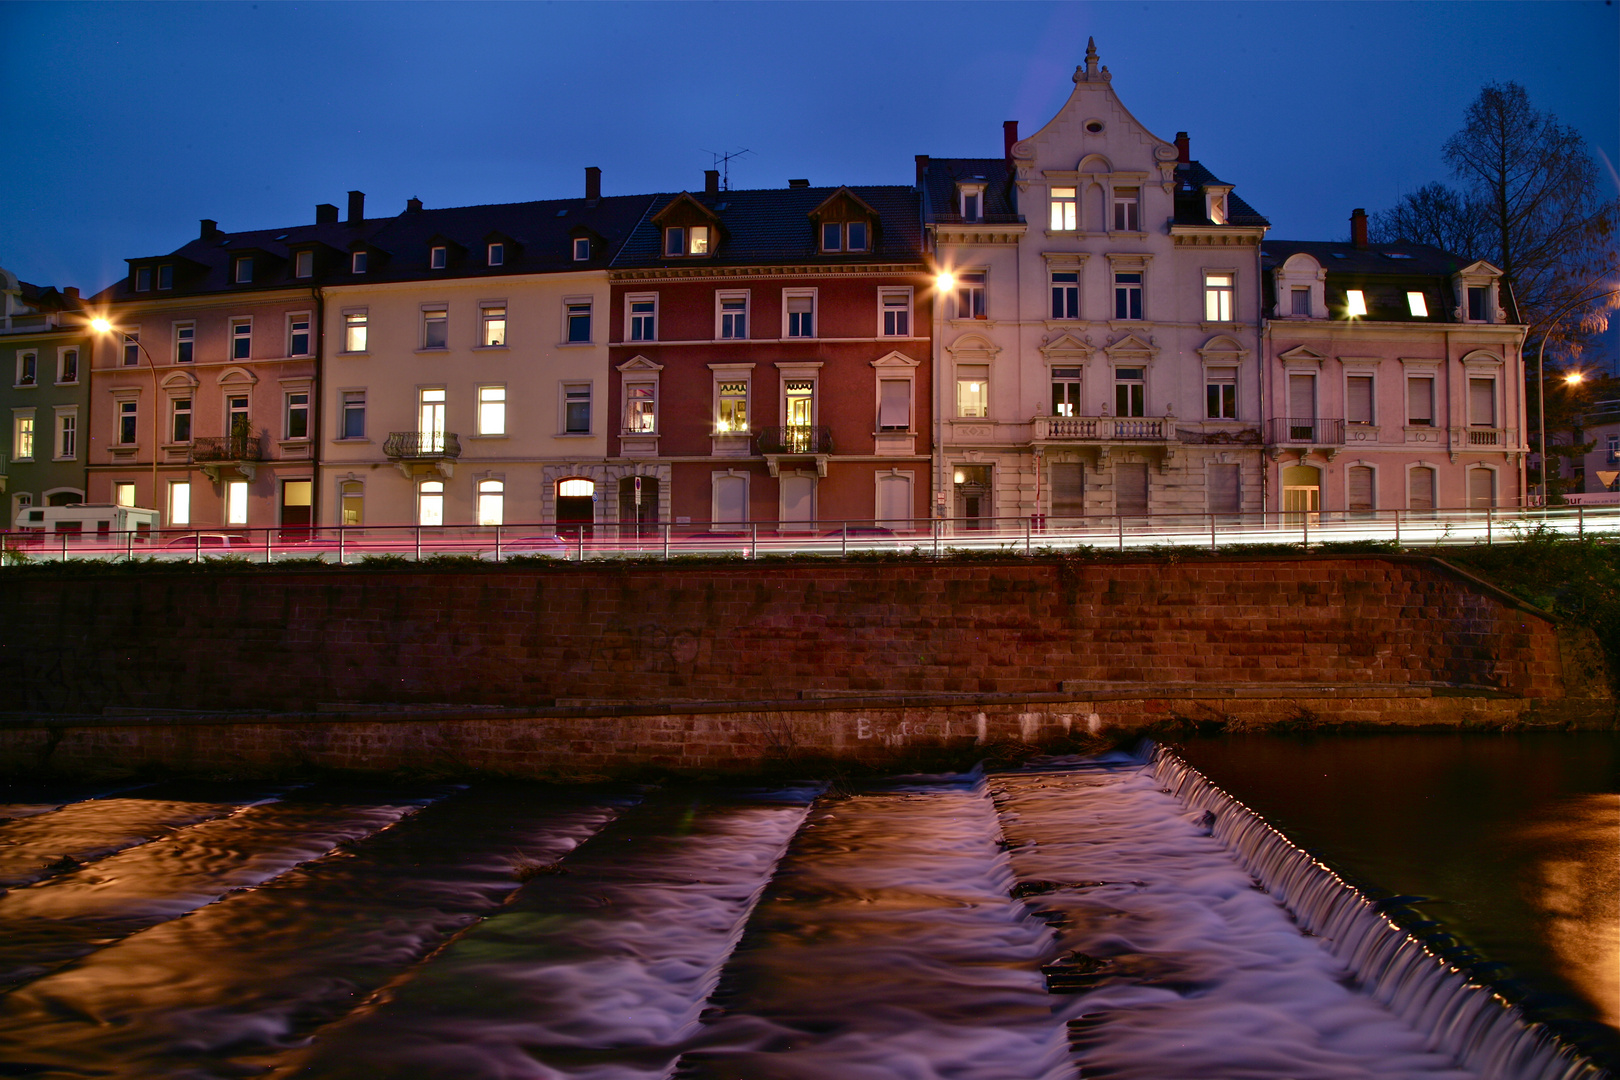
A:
(1481, 489)
(1068, 490)
(1420, 488)
(894, 405)
(1225, 489)
(1359, 480)
(1130, 488)
(1358, 399)
(1420, 401)
(1482, 402)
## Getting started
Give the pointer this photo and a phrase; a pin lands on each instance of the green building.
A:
(44, 396)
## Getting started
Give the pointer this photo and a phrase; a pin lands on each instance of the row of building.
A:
(1092, 323)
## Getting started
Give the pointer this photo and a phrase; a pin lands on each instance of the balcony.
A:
(1485, 438)
(796, 441)
(423, 453)
(1104, 432)
(1307, 432)
(222, 454)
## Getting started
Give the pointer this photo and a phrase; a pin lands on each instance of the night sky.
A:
(127, 122)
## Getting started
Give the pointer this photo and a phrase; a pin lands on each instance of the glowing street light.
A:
(102, 325)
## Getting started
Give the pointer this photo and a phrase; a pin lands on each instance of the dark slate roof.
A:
(45, 298)
(541, 235)
(1384, 273)
(773, 225)
(940, 203)
(1191, 179)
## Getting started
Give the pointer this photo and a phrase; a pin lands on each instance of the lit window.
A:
(435, 328)
(353, 495)
(491, 502)
(686, 241)
(799, 400)
(1477, 303)
(241, 339)
(166, 276)
(698, 240)
(1302, 300)
(430, 420)
(492, 410)
(640, 408)
(896, 312)
(1127, 209)
(801, 315)
(1355, 303)
(497, 254)
(236, 502)
(643, 318)
(582, 248)
(185, 340)
(179, 502)
(436, 258)
(1066, 294)
(68, 367)
(1066, 391)
(127, 413)
(430, 503)
(1217, 209)
(1218, 290)
(244, 270)
(132, 348)
(1064, 209)
(304, 264)
(298, 415)
(1220, 395)
(1130, 392)
(577, 409)
(354, 331)
(180, 426)
(970, 295)
(22, 443)
(298, 335)
(123, 493)
(27, 368)
(973, 390)
(143, 278)
(1417, 305)
(354, 414)
(733, 408)
(579, 323)
(733, 316)
(493, 328)
(1128, 294)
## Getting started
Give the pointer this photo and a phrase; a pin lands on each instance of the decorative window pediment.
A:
(180, 380)
(1301, 356)
(1066, 348)
(1222, 347)
(974, 347)
(237, 376)
(1131, 347)
(640, 363)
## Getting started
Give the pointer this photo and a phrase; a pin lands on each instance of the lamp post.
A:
(101, 325)
(944, 282)
(1541, 374)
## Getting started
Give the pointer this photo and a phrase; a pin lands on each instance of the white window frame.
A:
(27, 367)
(289, 407)
(429, 311)
(189, 412)
(236, 502)
(430, 493)
(578, 307)
(970, 200)
(1126, 198)
(1222, 375)
(491, 406)
(813, 295)
(632, 319)
(885, 294)
(582, 249)
(732, 375)
(1121, 380)
(123, 493)
(143, 279)
(62, 373)
(568, 392)
(972, 282)
(1140, 286)
(1076, 379)
(964, 377)
(356, 319)
(303, 264)
(24, 436)
(486, 320)
(1068, 287)
(1434, 481)
(359, 262)
(438, 257)
(1215, 292)
(641, 380)
(185, 333)
(121, 410)
(351, 490)
(308, 319)
(720, 313)
(242, 270)
(894, 369)
(714, 491)
(346, 398)
(489, 500)
(236, 390)
(179, 502)
(132, 347)
(241, 328)
(1064, 211)
(495, 253)
(683, 241)
(909, 476)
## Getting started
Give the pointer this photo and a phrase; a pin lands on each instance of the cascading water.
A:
(1464, 1018)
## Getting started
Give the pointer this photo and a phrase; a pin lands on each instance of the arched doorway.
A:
(576, 506)
(1302, 494)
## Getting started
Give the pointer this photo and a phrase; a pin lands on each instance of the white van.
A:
(82, 525)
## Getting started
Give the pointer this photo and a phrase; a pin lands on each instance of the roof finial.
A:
(1091, 56)
(1091, 73)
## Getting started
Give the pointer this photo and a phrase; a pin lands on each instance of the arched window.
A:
(491, 502)
(430, 503)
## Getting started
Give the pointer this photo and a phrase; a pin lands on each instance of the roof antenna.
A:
(723, 163)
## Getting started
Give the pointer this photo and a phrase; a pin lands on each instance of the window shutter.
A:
(894, 405)
(1361, 488)
(1301, 397)
(1482, 402)
(1420, 487)
(1419, 400)
(1359, 395)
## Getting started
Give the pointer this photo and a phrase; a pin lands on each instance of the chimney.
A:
(798, 183)
(210, 228)
(1183, 148)
(922, 168)
(1358, 227)
(413, 206)
(593, 182)
(71, 292)
(357, 207)
(1009, 135)
(325, 214)
(711, 180)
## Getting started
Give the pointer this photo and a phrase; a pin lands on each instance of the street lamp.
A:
(1541, 372)
(101, 325)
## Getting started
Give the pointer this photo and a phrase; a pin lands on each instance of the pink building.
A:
(1392, 380)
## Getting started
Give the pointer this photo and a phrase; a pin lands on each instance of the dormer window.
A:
(1301, 301)
(143, 278)
(972, 196)
(437, 257)
(582, 248)
(304, 264)
(497, 254)
(692, 240)
(1217, 209)
(1478, 303)
(357, 262)
(1355, 303)
(244, 270)
(843, 236)
(1417, 305)
(166, 276)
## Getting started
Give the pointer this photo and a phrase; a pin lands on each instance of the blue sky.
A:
(127, 122)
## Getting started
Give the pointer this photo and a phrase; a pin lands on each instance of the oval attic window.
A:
(1094, 126)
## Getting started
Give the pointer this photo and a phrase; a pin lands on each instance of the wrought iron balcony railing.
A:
(796, 439)
(1306, 430)
(227, 448)
(422, 444)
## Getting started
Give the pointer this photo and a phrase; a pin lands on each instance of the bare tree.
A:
(1529, 201)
